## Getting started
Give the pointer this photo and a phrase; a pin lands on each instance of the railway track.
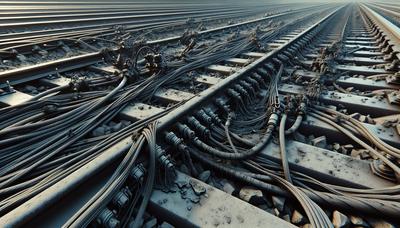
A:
(60, 65)
(391, 13)
(28, 48)
(290, 120)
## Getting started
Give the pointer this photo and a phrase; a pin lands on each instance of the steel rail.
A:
(26, 41)
(29, 73)
(387, 27)
(392, 16)
(383, 8)
(71, 39)
(95, 29)
(102, 19)
(54, 13)
(45, 11)
(61, 17)
(99, 29)
(48, 197)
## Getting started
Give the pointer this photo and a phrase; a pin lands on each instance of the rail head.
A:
(389, 29)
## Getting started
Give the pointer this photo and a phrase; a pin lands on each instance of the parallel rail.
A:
(38, 204)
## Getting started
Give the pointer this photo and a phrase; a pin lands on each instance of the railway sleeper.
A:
(354, 103)
(347, 81)
(327, 166)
